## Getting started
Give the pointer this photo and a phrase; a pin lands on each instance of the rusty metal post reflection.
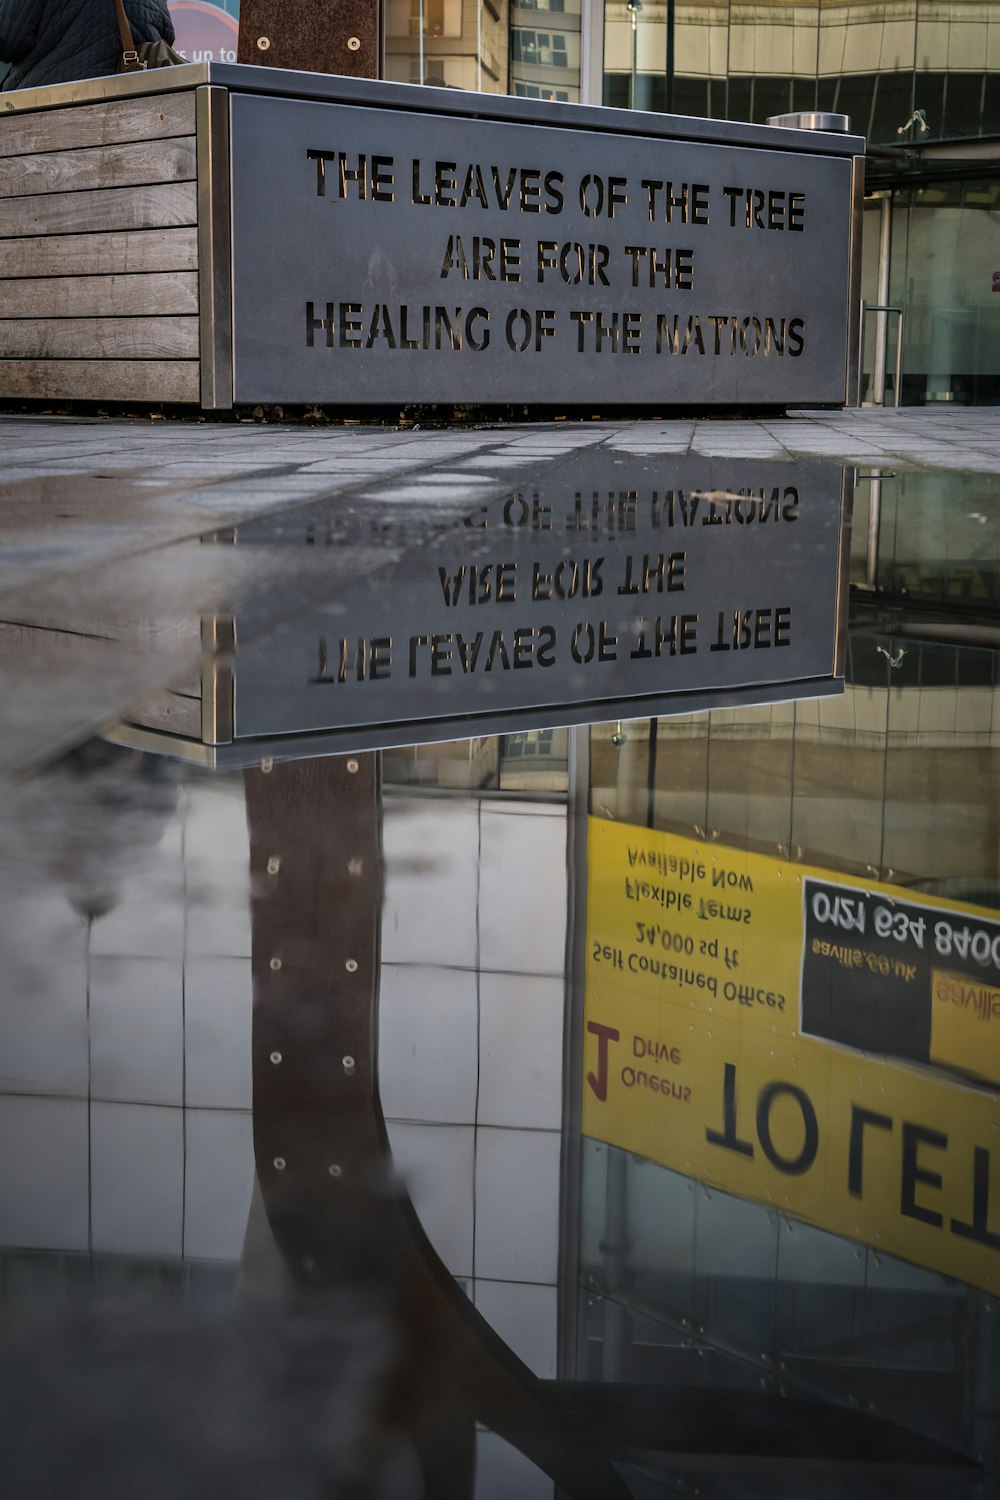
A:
(339, 1220)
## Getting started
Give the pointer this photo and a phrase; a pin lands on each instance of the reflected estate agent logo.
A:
(204, 32)
(599, 1081)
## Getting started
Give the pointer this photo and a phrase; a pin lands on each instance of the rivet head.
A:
(354, 44)
(273, 865)
(348, 1064)
(276, 1058)
(263, 42)
(276, 964)
(267, 765)
(334, 1170)
(352, 767)
(279, 1163)
(351, 966)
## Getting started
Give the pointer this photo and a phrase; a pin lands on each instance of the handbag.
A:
(148, 54)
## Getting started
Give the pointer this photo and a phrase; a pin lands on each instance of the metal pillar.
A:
(633, 7)
(882, 325)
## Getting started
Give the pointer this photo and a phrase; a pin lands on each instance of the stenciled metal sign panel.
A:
(389, 255)
(696, 581)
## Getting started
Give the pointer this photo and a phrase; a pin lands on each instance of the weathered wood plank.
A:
(98, 124)
(109, 632)
(168, 204)
(99, 338)
(124, 253)
(98, 167)
(100, 296)
(101, 380)
(173, 712)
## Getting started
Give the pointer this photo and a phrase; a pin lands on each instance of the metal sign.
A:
(398, 255)
(702, 582)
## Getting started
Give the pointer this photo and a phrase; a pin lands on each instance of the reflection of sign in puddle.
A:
(706, 968)
(622, 587)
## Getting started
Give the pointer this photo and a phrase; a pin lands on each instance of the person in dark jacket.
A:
(56, 41)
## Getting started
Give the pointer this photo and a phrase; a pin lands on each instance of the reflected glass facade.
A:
(877, 63)
(726, 59)
(457, 44)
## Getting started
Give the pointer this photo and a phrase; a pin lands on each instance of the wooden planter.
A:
(106, 240)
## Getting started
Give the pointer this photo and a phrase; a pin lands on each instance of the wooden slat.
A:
(127, 252)
(99, 338)
(98, 380)
(165, 205)
(98, 124)
(98, 167)
(174, 712)
(100, 296)
(178, 634)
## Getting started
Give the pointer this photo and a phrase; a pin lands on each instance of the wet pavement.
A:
(501, 937)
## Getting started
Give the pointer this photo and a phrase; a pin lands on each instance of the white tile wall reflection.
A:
(470, 1050)
(43, 1030)
(218, 1182)
(126, 1087)
(520, 1060)
(147, 919)
(217, 1019)
(428, 1048)
(522, 923)
(137, 1030)
(125, 1084)
(137, 1179)
(217, 908)
(431, 850)
(437, 1163)
(517, 1205)
(44, 1201)
(524, 1315)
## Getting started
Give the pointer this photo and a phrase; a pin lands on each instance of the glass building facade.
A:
(877, 63)
(919, 78)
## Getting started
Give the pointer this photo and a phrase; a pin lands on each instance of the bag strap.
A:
(128, 40)
(130, 57)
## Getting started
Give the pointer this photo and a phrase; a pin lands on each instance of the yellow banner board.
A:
(793, 1037)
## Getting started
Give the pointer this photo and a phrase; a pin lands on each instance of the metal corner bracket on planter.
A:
(216, 234)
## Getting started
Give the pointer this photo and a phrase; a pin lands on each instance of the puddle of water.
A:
(605, 1106)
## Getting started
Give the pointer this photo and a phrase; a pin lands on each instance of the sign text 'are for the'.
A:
(623, 598)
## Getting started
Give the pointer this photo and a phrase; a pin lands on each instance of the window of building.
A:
(539, 47)
(533, 91)
(436, 70)
(436, 17)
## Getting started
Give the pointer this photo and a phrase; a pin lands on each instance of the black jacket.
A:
(54, 41)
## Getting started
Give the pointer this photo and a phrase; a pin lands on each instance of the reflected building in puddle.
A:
(631, 1086)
